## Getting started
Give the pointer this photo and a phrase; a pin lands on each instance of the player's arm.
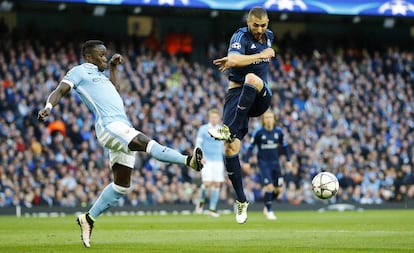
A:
(53, 99)
(249, 151)
(113, 70)
(235, 60)
(284, 146)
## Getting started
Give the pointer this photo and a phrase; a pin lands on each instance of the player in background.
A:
(113, 129)
(270, 143)
(248, 95)
(212, 175)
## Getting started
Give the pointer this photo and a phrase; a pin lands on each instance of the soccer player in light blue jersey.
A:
(248, 94)
(271, 144)
(212, 175)
(113, 129)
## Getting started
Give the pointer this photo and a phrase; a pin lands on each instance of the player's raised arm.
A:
(53, 99)
(241, 60)
(113, 70)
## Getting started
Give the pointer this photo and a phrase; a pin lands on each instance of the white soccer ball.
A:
(325, 185)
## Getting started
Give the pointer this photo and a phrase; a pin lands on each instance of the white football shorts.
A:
(213, 171)
(116, 137)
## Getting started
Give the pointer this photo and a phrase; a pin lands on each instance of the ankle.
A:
(187, 160)
(89, 219)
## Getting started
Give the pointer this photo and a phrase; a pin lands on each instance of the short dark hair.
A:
(87, 46)
(258, 12)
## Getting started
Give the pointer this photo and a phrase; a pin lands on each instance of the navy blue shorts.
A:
(260, 105)
(270, 173)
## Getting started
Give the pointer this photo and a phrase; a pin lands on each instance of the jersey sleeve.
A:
(283, 145)
(237, 43)
(73, 77)
(249, 151)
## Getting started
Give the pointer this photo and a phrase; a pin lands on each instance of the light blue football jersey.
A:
(213, 150)
(98, 93)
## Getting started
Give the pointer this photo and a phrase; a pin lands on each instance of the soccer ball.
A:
(325, 185)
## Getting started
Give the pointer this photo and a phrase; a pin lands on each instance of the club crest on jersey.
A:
(236, 45)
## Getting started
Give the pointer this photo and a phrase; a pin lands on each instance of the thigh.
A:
(265, 169)
(124, 158)
(117, 135)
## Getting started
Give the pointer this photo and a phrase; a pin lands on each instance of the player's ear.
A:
(87, 56)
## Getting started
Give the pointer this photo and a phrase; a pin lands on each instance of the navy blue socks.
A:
(234, 171)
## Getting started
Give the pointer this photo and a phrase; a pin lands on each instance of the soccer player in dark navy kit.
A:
(249, 55)
(270, 143)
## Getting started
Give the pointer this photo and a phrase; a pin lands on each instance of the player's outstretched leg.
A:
(86, 225)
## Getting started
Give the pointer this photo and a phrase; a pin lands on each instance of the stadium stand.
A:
(346, 110)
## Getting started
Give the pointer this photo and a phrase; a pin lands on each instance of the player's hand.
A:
(42, 115)
(116, 59)
(222, 63)
(267, 53)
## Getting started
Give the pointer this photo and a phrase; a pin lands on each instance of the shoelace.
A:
(239, 208)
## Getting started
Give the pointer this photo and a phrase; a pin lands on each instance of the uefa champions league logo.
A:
(286, 4)
(397, 7)
(169, 2)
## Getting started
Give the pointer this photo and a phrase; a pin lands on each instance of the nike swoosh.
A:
(241, 107)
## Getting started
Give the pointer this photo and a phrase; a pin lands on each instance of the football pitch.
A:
(296, 231)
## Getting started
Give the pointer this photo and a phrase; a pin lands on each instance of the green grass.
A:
(300, 231)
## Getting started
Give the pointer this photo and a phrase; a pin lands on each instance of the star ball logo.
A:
(169, 2)
(236, 45)
(396, 7)
(286, 4)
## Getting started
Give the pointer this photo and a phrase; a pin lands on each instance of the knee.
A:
(120, 189)
(233, 148)
(254, 80)
(269, 188)
(139, 142)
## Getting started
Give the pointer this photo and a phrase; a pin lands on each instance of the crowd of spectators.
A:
(347, 111)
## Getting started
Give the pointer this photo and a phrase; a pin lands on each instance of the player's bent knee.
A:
(254, 80)
(120, 189)
(139, 143)
(269, 187)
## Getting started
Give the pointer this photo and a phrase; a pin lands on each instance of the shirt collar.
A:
(90, 66)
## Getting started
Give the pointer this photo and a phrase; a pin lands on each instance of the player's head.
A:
(214, 116)
(94, 51)
(268, 119)
(257, 21)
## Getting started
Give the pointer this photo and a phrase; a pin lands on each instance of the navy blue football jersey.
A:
(243, 42)
(270, 144)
